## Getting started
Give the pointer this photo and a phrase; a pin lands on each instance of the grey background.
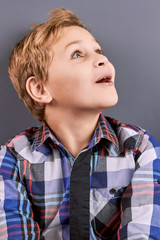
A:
(129, 33)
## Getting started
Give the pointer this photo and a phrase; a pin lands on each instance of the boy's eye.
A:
(99, 51)
(77, 54)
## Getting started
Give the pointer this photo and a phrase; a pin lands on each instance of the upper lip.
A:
(105, 76)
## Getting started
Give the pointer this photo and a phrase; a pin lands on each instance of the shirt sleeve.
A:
(140, 204)
(16, 215)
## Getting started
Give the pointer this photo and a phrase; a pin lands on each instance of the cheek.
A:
(69, 80)
(64, 88)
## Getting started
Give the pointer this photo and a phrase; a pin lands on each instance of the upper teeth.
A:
(105, 79)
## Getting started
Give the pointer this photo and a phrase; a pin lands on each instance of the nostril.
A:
(100, 64)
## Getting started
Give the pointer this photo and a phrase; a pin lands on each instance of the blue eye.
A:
(77, 54)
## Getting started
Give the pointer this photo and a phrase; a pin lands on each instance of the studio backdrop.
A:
(129, 33)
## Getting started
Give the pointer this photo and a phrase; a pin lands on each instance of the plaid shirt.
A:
(38, 182)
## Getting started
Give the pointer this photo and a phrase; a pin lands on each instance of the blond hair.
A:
(32, 56)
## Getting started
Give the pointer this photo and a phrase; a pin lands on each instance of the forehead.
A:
(72, 35)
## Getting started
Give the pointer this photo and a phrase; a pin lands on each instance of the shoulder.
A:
(132, 137)
(125, 129)
(22, 140)
(17, 148)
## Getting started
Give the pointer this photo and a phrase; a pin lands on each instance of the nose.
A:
(100, 61)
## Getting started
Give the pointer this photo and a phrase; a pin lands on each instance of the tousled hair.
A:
(32, 55)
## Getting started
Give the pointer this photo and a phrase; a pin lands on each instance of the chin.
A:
(115, 101)
(112, 101)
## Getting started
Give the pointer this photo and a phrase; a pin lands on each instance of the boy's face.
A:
(80, 77)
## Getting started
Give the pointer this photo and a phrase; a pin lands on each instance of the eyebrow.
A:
(78, 41)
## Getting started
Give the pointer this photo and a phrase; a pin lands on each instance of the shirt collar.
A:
(103, 131)
(42, 135)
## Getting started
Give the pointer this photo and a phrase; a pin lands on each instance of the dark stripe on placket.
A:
(79, 198)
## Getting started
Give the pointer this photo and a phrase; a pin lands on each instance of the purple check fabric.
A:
(124, 196)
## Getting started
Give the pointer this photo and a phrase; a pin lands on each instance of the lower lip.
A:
(108, 84)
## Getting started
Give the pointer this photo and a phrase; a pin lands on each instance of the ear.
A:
(37, 91)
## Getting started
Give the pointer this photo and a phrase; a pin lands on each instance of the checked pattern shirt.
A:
(124, 186)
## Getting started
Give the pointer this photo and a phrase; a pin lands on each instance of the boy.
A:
(81, 175)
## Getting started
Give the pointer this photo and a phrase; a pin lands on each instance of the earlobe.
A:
(37, 91)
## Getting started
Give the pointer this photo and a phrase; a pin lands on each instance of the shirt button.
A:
(158, 181)
(112, 191)
(121, 190)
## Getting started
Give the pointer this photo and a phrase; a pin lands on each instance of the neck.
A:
(73, 130)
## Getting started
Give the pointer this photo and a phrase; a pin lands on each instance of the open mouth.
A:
(106, 79)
